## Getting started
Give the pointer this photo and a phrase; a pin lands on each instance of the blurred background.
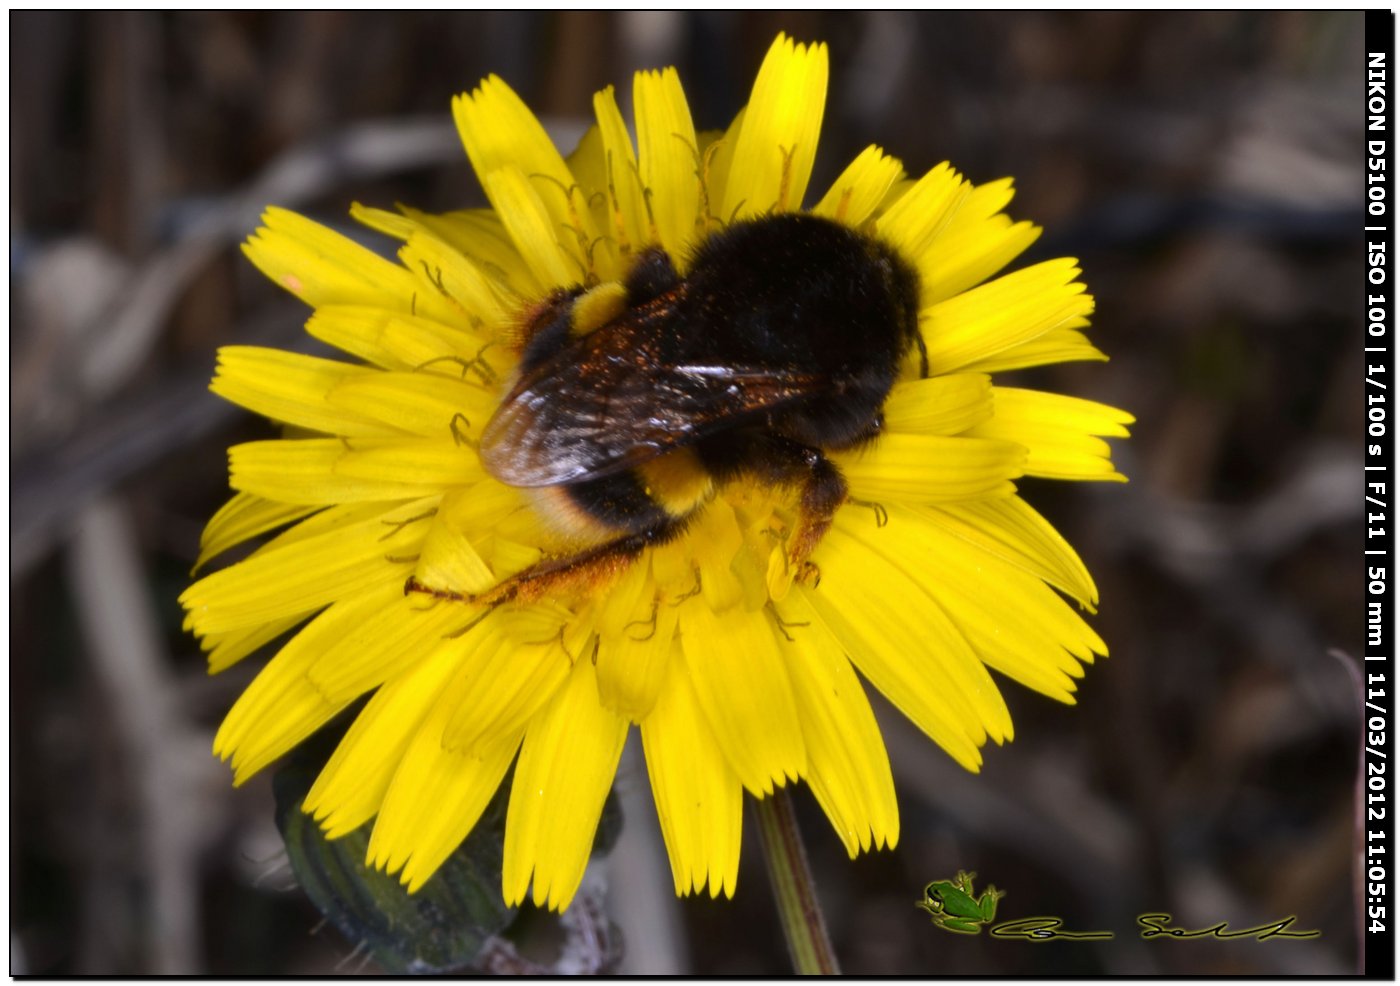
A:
(1204, 166)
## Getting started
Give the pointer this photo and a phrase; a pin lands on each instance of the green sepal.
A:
(439, 929)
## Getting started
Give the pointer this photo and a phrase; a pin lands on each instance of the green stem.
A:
(803, 924)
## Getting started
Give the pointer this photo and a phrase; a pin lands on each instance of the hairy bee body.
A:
(780, 344)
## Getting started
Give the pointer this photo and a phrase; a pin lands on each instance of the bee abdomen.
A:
(619, 502)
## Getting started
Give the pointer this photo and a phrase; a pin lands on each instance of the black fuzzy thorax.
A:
(813, 297)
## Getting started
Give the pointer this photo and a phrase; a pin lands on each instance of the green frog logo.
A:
(954, 907)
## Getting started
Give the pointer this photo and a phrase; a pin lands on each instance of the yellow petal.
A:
(778, 143)
(978, 241)
(322, 267)
(444, 272)
(395, 341)
(699, 801)
(296, 575)
(902, 640)
(1058, 432)
(243, 517)
(931, 468)
(743, 687)
(635, 631)
(962, 257)
(849, 771)
(436, 465)
(943, 405)
(327, 470)
(227, 649)
(352, 785)
(499, 131)
(283, 706)
(917, 218)
(531, 227)
(434, 799)
(588, 163)
(1062, 345)
(303, 472)
(1035, 605)
(481, 237)
(292, 388)
(716, 161)
(442, 263)
(394, 224)
(1016, 623)
(566, 767)
(516, 662)
(861, 187)
(501, 512)
(714, 539)
(428, 404)
(1003, 313)
(1009, 529)
(383, 644)
(666, 152)
(982, 203)
(450, 560)
(628, 225)
(497, 128)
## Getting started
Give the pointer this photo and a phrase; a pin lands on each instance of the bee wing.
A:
(603, 406)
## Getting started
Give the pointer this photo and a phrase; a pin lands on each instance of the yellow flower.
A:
(740, 676)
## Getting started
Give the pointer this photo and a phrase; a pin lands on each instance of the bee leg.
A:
(593, 566)
(783, 461)
(539, 580)
(823, 491)
(589, 567)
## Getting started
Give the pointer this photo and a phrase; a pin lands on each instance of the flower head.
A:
(493, 629)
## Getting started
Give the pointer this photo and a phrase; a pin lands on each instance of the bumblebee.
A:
(633, 405)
